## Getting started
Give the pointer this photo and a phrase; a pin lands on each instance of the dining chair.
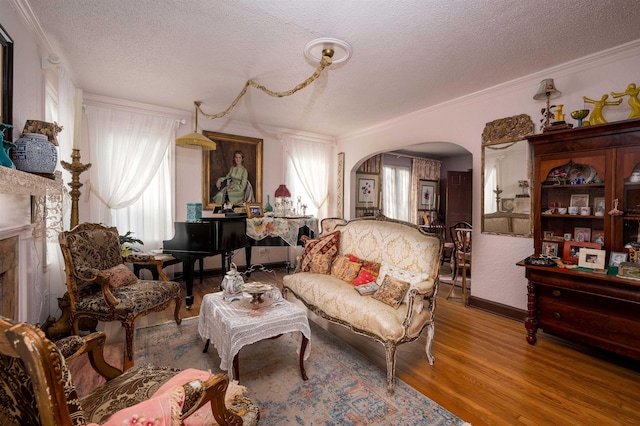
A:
(461, 258)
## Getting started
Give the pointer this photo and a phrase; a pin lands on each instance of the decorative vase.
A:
(34, 153)
(5, 161)
(267, 207)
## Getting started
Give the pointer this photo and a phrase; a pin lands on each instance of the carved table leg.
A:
(531, 322)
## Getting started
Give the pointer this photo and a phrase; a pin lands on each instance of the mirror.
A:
(506, 176)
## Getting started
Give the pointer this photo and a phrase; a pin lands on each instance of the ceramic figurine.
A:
(232, 285)
(634, 102)
(596, 114)
(5, 160)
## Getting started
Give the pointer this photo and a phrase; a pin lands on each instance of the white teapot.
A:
(232, 285)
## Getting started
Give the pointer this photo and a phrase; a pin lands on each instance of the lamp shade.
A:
(282, 191)
(547, 88)
(196, 140)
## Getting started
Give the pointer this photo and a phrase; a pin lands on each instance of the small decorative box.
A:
(629, 270)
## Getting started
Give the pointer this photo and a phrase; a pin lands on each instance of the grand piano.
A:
(207, 237)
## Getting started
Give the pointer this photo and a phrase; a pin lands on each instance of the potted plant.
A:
(127, 242)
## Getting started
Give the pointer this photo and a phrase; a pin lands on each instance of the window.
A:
(396, 185)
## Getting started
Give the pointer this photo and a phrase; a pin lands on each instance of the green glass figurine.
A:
(5, 160)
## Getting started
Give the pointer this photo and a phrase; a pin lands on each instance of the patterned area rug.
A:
(344, 388)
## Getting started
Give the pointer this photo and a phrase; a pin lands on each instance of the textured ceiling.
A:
(407, 55)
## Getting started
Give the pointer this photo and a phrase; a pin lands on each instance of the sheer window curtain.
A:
(59, 107)
(130, 178)
(395, 187)
(307, 173)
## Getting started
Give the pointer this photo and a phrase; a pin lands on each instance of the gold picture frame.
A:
(218, 162)
(254, 210)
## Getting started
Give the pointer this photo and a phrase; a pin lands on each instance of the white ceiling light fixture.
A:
(314, 50)
(195, 139)
(320, 50)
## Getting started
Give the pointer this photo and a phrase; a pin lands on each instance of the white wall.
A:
(495, 274)
(28, 103)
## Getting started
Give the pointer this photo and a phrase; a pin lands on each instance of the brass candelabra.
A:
(75, 168)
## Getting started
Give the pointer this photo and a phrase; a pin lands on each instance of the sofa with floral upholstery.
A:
(376, 276)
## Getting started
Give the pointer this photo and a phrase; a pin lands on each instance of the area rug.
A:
(344, 388)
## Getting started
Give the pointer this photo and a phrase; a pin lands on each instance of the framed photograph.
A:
(598, 206)
(617, 258)
(582, 235)
(572, 249)
(254, 210)
(216, 164)
(428, 194)
(597, 236)
(591, 258)
(507, 204)
(368, 190)
(579, 200)
(550, 249)
(547, 235)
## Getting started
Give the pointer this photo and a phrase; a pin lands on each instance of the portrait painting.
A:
(233, 171)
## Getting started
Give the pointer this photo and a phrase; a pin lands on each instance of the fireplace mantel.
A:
(16, 182)
(33, 226)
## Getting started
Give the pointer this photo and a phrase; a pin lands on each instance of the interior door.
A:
(458, 198)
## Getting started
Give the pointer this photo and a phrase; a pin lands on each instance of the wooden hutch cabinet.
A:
(591, 166)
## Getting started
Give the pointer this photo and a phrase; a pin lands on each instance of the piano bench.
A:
(166, 259)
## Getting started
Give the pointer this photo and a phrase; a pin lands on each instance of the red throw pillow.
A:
(328, 244)
(120, 276)
(363, 278)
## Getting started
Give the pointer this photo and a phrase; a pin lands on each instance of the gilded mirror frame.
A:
(502, 134)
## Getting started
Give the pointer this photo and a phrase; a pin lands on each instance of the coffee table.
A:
(233, 325)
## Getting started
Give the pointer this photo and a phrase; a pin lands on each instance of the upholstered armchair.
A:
(36, 387)
(102, 288)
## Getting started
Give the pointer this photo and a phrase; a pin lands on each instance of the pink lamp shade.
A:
(282, 191)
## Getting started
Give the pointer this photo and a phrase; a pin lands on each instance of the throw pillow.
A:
(328, 244)
(372, 267)
(392, 292)
(363, 277)
(320, 263)
(119, 276)
(344, 269)
(411, 277)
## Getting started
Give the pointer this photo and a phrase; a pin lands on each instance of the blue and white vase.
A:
(34, 153)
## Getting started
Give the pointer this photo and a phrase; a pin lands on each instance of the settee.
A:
(399, 257)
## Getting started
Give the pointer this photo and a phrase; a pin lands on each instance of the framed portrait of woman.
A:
(222, 170)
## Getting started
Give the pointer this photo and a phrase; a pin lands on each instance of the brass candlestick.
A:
(75, 168)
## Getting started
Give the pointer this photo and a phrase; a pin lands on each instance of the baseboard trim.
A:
(497, 308)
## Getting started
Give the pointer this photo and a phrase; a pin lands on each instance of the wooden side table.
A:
(233, 325)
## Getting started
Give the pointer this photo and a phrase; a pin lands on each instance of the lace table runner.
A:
(232, 325)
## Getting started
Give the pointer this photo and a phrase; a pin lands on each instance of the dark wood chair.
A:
(461, 258)
(452, 234)
(36, 387)
(93, 265)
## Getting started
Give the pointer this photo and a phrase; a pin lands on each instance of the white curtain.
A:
(130, 178)
(395, 184)
(59, 107)
(307, 173)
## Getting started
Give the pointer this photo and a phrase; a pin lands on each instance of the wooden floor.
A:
(487, 374)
